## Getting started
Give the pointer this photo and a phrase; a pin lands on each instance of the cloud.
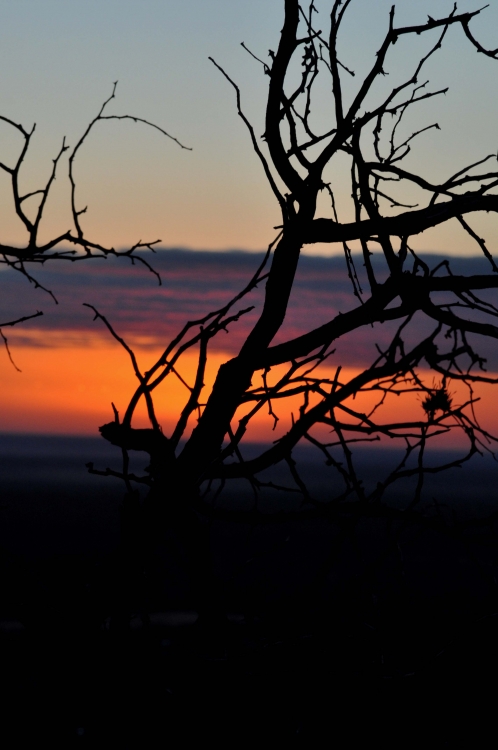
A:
(193, 283)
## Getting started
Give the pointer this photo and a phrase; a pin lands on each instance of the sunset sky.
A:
(72, 369)
(59, 60)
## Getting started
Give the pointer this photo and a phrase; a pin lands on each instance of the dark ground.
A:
(386, 635)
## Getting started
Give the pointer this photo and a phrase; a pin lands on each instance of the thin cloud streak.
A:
(194, 283)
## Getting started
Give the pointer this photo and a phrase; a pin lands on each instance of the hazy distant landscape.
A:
(409, 603)
(52, 506)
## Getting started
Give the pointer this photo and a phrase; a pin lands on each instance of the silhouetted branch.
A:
(367, 134)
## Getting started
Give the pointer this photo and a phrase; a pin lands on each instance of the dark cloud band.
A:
(193, 283)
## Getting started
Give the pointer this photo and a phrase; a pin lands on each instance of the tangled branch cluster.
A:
(295, 158)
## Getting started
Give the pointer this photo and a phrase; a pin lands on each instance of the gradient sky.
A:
(72, 369)
(59, 60)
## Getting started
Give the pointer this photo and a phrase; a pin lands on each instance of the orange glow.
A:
(69, 389)
(407, 406)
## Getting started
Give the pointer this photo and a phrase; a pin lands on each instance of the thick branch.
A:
(405, 224)
(286, 48)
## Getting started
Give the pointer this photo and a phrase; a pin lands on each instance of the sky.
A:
(72, 368)
(59, 60)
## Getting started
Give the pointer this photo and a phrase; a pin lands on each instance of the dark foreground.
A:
(386, 633)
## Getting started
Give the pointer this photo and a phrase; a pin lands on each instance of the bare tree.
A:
(402, 288)
(72, 245)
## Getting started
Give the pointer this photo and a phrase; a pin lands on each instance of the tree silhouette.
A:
(431, 327)
(72, 245)
(440, 316)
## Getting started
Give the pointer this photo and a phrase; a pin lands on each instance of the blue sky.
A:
(59, 60)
